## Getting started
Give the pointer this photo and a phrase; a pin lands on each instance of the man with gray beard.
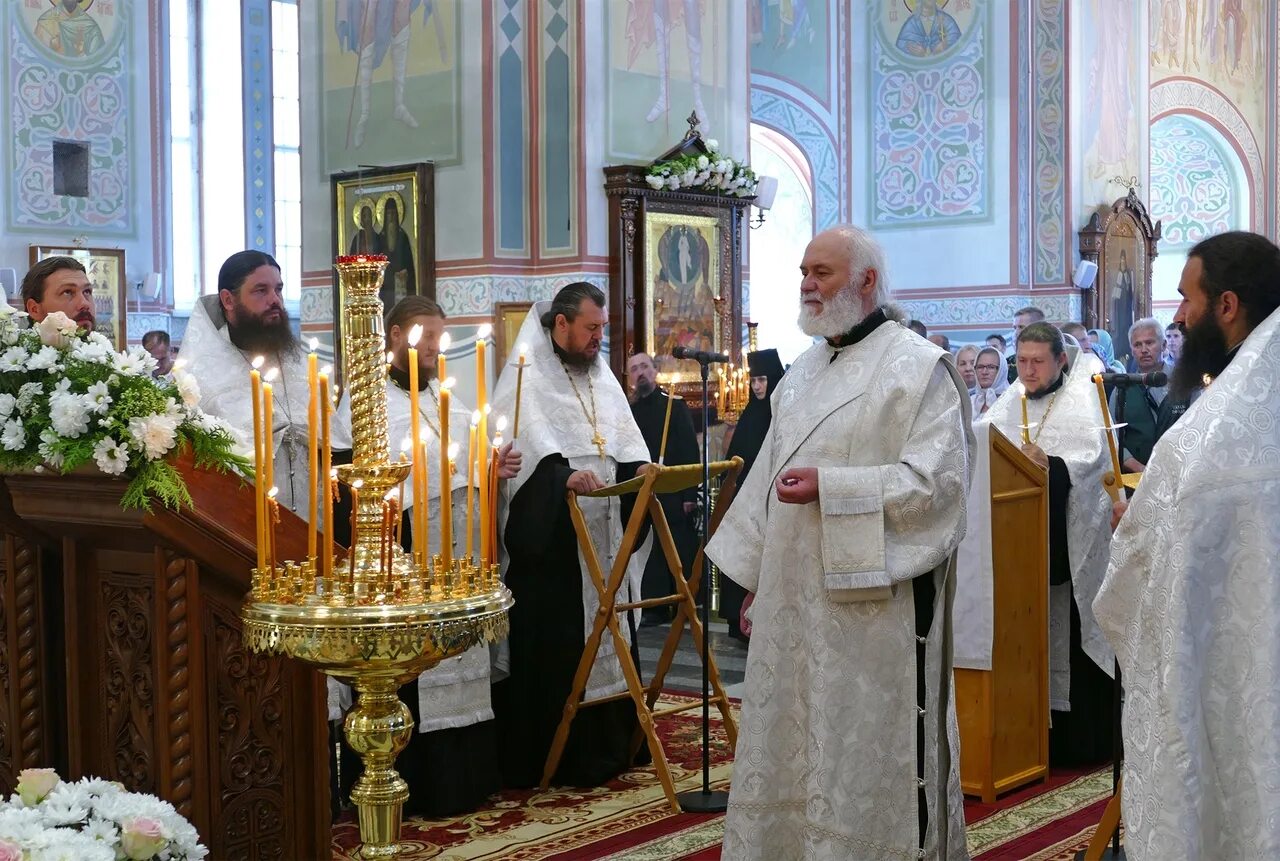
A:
(846, 530)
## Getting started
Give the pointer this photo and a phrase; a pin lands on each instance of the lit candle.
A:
(482, 450)
(273, 517)
(313, 449)
(473, 470)
(493, 492)
(720, 371)
(1026, 425)
(268, 444)
(325, 475)
(405, 446)
(445, 342)
(259, 487)
(419, 463)
(446, 541)
(446, 476)
(666, 424)
(390, 357)
(524, 349)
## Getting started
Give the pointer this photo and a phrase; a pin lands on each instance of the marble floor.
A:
(686, 672)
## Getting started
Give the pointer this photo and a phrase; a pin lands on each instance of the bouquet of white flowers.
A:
(90, 820)
(68, 398)
(711, 172)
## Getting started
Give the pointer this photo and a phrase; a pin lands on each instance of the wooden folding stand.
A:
(652, 481)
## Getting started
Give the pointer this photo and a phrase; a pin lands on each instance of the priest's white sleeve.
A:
(889, 523)
(737, 548)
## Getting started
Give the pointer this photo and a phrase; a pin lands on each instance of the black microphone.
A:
(701, 356)
(1155, 379)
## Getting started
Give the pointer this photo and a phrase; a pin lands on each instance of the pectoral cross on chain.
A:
(598, 441)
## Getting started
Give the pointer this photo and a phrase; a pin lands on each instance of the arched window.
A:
(1198, 188)
(777, 246)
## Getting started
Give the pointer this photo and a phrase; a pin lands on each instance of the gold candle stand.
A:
(377, 619)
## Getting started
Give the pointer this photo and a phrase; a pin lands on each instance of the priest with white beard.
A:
(576, 433)
(1068, 441)
(846, 531)
(245, 319)
(451, 762)
(1191, 595)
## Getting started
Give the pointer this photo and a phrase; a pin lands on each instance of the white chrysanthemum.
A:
(27, 393)
(135, 362)
(673, 182)
(14, 360)
(188, 388)
(655, 182)
(8, 403)
(154, 435)
(69, 414)
(14, 435)
(45, 359)
(97, 352)
(110, 456)
(48, 440)
(98, 397)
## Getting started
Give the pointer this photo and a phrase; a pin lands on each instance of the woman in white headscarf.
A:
(992, 379)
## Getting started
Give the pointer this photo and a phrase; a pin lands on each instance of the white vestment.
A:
(826, 764)
(1073, 431)
(454, 693)
(1190, 602)
(222, 370)
(554, 421)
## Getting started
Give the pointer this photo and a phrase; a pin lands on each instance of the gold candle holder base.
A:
(376, 649)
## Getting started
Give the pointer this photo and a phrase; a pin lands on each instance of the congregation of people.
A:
(838, 553)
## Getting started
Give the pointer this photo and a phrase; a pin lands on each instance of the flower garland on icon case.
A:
(704, 171)
(67, 398)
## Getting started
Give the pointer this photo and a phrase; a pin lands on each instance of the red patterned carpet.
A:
(630, 819)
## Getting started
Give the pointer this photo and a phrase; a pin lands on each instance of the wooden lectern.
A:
(1003, 711)
(122, 659)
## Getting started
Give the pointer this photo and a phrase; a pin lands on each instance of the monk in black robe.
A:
(766, 372)
(650, 411)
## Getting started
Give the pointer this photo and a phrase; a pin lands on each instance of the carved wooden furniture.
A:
(1003, 712)
(675, 272)
(1122, 241)
(123, 660)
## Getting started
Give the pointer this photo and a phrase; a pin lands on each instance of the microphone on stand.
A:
(700, 356)
(1155, 379)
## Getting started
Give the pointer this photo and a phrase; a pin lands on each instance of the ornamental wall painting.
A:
(930, 97)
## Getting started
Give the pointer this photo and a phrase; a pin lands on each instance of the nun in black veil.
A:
(766, 372)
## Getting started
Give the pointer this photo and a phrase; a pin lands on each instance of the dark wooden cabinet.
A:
(675, 275)
(123, 660)
(1122, 241)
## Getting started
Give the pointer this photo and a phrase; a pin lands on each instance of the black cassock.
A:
(1083, 735)
(547, 639)
(650, 413)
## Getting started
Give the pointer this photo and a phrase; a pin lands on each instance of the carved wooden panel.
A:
(175, 668)
(128, 679)
(250, 802)
(22, 560)
(8, 774)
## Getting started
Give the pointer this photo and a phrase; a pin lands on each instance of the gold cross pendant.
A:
(599, 441)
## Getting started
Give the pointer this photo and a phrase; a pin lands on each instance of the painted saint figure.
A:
(928, 31)
(652, 26)
(69, 29)
(371, 28)
(1122, 301)
(401, 277)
